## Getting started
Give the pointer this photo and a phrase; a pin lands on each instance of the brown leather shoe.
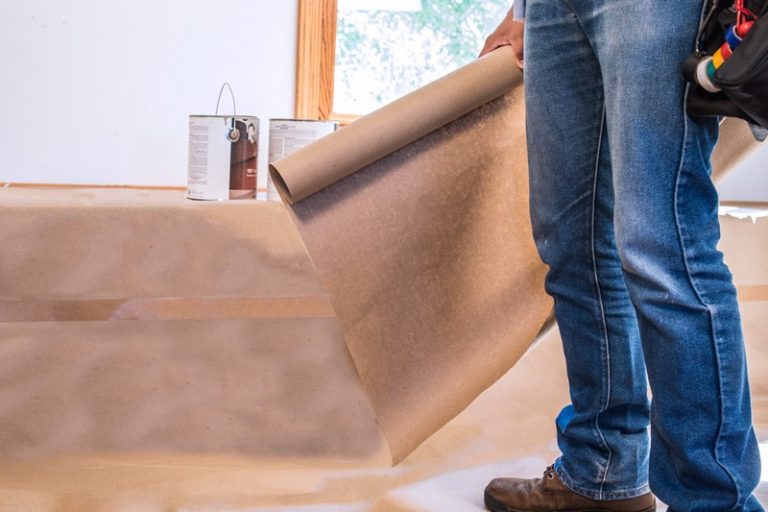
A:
(548, 494)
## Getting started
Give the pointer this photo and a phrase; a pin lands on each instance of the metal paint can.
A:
(223, 155)
(289, 135)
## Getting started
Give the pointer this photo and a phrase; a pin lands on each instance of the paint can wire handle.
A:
(234, 133)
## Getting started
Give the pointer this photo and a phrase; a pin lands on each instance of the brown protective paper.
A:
(79, 255)
(166, 308)
(417, 219)
(427, 252)
(735, 143)
(141, 322)
(272, 387)
(745, 246)
(508, 430)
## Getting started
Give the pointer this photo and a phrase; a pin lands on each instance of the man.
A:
(624, 213)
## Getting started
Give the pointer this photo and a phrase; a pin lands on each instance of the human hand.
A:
(509, 32)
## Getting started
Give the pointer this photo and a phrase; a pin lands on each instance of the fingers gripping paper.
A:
(417, 219)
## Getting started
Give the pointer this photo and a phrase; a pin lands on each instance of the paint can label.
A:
(223, 155)
(289, 135)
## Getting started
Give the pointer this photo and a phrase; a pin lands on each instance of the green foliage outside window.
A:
(384, 54)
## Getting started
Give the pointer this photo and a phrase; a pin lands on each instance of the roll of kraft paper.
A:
(395, 125)
(416, 217)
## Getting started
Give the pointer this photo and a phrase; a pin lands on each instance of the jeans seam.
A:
(607, 364)
(599, 495)
(699, 298)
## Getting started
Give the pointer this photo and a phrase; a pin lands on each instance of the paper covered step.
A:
(120, 254)
(275, 388)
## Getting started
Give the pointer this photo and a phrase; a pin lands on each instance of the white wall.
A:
(750, 181)
(99, 91)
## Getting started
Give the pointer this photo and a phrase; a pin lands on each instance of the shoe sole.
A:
(495, 506)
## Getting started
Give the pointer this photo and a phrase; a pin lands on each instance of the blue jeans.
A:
(624, 213)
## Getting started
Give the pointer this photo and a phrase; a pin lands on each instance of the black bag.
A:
(743, 77)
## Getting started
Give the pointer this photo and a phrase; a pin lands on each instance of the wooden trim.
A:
(344, 119)
(759, 205)
(87, 185)
(315, 59)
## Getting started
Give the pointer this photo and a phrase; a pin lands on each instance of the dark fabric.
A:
(702, 103)
(744, 76)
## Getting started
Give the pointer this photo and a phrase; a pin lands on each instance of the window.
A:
(357, 55)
